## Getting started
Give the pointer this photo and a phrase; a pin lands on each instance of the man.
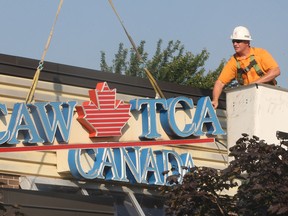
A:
(248, 65)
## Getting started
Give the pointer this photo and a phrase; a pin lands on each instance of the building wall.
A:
(13, 89)
(9, 181)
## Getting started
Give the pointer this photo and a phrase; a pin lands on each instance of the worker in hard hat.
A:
(248, 65)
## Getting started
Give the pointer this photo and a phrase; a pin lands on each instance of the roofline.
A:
(88, 78)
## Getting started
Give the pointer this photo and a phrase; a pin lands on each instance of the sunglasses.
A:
(237, 41)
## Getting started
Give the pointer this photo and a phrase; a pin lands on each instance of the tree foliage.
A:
(262, 171)
(198, 194)
(171, 64)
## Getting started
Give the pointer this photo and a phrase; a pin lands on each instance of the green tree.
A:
(120, 58)
(171, 64)
(262, 171)
(135, 66)
(103, 64)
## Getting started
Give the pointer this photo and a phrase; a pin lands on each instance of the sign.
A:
(47, 125)
(133, 164)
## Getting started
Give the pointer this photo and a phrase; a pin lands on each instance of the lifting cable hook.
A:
(40, 66)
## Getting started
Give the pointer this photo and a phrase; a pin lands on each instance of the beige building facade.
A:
(147, 149)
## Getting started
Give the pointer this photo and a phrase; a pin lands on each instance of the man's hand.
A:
(217, 90)
(215, 104)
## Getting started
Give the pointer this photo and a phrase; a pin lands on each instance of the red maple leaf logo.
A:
(104, 115)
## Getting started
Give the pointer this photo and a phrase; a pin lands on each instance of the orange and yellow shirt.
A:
(263, 58)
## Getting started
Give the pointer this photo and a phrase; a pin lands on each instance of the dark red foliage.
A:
(263, 171)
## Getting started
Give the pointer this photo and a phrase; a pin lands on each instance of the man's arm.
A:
(269, 76)
(217, 90)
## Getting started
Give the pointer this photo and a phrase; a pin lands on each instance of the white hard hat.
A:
(241, 33)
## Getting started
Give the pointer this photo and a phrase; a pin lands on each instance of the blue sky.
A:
(86, 27)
